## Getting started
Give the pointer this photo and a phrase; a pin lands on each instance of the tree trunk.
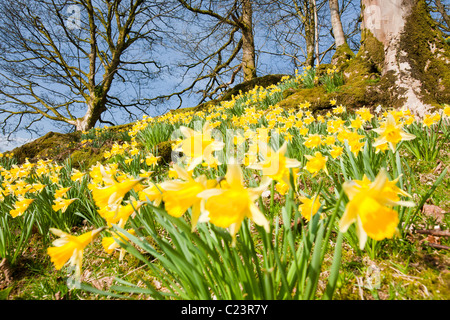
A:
(248, 43)
(316, 32)
(96, 106)
(310, 50)
(408, 50)
(310, 41)
(338, 31)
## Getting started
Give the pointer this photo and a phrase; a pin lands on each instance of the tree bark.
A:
(248, 43)
(338, 31)
(316, 32)
(408, 49)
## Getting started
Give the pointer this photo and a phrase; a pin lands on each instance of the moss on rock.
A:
(51, 145)
(317, 97)
(164, 151)
(371, 51)
(87, 157)
(342, 55)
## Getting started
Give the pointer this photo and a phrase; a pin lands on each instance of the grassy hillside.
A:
(349, 203)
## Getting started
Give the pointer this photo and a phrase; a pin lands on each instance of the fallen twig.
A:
(437, 246)
(438, 233)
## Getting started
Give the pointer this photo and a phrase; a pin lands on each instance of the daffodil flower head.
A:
(62, 204)
(70, 248)
(118, 213)
(199, 146)
(115, 191)
(228, 206)
(309, 206)
(336, 151)
(392, 133)
(313, 141)
(370, 207)
(152, 193)
(61, 192)
(316, 163)
(275, 165)
(20, 206)
(111, 243)
(181, 194)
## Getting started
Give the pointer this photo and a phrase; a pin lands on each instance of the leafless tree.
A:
(60, 60)
(215, 44)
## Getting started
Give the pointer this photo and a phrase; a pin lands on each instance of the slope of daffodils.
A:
(364, 176)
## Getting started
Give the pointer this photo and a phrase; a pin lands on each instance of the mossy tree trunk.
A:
(405, 46)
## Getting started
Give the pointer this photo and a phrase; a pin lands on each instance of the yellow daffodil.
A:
(303, 131)
(113, 242)
(282, 188)
(356, 146)
(356, 123)
(151, 160)
(409, 120)
(152, 193)
(70, 248)
(118, 213)
(381, 147)
(428, 120)
(316, 163)
(199, 146)
(145, 174)
(329, 140)
(20, 206)
(61, 192)
(336, 151)
(275, 165)
(365, 114)
(37, 187)
(392, 133)
(288, 136)
(447, 110)
(436, 117)
(227, 207)
(339, 109)
(77, 175)
(309, 207)
(62, 204)
(113, 193)
(313, 141)
(180, 195)
(370, 206)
